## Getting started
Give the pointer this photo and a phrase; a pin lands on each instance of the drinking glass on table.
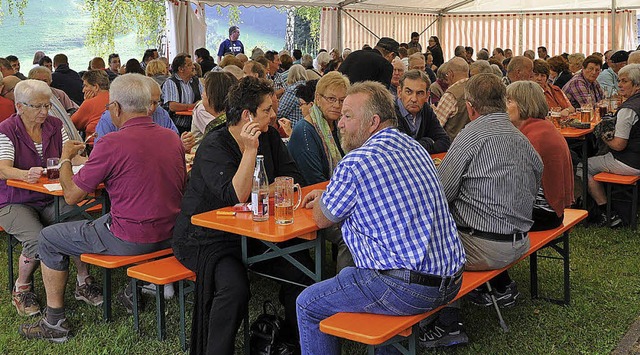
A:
(53, 168)
(586, 112)
(284, 191)
(556, 116)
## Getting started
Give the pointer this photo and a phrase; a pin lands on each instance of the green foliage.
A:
(13, 7)
(111, 18)
(234, 14)
(307, 28)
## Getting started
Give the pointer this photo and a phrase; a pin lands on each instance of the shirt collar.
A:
(137, 121)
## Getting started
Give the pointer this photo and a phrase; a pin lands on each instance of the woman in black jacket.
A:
(435, 50)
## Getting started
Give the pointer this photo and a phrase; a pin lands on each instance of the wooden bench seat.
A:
(376, 329)
(109, 262)
(162, 272)
(629, 180)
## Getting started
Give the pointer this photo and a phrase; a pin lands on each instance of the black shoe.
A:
(504, 299)
(437, 335)
(615, 221)
(126, 299)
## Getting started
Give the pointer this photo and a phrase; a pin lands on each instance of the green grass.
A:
(604, 302)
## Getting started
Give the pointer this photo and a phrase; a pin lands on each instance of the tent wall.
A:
(186, 27)
(397, 25)
(571, 32)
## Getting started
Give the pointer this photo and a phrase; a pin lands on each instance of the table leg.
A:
(585, 177)
(56, 202)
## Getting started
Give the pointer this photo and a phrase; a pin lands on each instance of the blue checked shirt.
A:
(289, 106)
(395, 213)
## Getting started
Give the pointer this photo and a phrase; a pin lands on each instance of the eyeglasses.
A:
(8, 92)
(106, 107)
(333, 100)
(38, 107)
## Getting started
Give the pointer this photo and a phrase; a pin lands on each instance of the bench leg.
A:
(565, 259)
(106, 294)
(503, 325)
(634, 206)
(247, 345)
(160, 319)
(10, 261)
(136, 316)
(533, 274)
(183, 341)
(608, 202)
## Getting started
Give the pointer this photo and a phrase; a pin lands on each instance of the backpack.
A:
(266, 334)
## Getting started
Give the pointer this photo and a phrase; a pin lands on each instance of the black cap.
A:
(619, 57)
(389, 44)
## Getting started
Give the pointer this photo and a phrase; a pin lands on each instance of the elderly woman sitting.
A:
(27, 139)
(624, 157)
(95, 87)
(553, 94)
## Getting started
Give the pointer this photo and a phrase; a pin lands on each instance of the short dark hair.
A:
(148, 54)
(543, 48)
(415, 34)
(297, 54)
(286, 61)
(60, 59)
(44, 60)
(592, 59)
(247, 95)
(499, 50)
(486, 93)
(271, 55)
(203, 53)
(133, 66)
(178, 62)
(540, 66)
(216, 86)
(307, 91)
(11, 58)
(262, 60)
(415, 74)
(558, 64)
(469, 50)
(5, 63)
(113, 55)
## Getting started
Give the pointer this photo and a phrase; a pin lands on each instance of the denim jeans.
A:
(362, 291)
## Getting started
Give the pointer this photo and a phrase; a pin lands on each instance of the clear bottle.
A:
(613, 101)
(260, 191)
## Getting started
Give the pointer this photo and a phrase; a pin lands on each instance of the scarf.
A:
(328, 143)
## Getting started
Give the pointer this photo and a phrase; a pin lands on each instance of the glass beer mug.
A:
(284, 206)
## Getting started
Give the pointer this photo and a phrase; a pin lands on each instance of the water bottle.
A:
(260, 191)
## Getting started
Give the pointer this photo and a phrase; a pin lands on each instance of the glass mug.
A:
(53, 169)
(283, 196)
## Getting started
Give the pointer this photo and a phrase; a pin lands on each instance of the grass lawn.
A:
(604, 302)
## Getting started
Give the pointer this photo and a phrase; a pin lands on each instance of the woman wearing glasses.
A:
(95, 87)
(27, 139)
(315, 142)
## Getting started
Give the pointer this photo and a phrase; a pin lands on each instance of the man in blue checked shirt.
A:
(395, 221)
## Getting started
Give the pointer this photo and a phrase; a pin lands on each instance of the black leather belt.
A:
(414, 277)
(494, 236)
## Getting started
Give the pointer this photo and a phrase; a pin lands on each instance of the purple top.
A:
(26, 156)
(143, 169)
(580, 91)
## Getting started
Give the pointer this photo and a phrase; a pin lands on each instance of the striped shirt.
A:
(8, 152)
(395, 214)
(170, 91)
(491, 175)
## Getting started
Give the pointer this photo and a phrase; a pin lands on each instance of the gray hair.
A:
(529, 97)
(323, 59)
(346, 53)
(634, 57)
(496, 70)
(442, 71)
(152, 84)
(482, 55)
(632, 71)
(459, 51)
(415, 74)
(296, 73)
(486, 93)
(480, 66)
(26, 89)
(380, 101)
(40, 70)
(132, 92)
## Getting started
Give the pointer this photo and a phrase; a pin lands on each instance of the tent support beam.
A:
(349, 2)
(455, 6)
(359, 23)
(613, 25)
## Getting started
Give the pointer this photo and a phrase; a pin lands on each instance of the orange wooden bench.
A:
(626, 180)
(376, 329)
(162, 272)
(109, 262)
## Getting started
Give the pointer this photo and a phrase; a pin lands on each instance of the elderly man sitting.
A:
(126, 161)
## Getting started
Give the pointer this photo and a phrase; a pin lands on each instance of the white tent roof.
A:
(453, 6)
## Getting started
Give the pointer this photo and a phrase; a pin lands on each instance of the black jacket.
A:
(68, 81)
(365, 64)
(430, 134)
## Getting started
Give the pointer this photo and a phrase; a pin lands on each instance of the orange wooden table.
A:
(269, 233)
(576, 133)
(185, 113)
(92, 200)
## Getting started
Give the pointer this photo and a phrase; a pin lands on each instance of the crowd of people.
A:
(365, 120)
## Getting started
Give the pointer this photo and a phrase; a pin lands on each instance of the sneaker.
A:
(615, 221)
(90, 292)
(25, 301)
(150, 289)
(481, 297)
(57, 333)
(437, 335)
(126, 299)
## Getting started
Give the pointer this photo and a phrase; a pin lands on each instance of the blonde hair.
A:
(529, 97)
(332, 79)
(156, 67)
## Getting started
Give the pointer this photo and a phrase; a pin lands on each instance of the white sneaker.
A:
(150, 289)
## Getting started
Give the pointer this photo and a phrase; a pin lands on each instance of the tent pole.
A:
(340, 39)
(613, 25)
(360, 23)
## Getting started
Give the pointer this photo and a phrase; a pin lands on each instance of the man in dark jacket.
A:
(415, 117)
(66, 79)
(372, 64)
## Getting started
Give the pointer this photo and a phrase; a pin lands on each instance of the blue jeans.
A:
(362, 291)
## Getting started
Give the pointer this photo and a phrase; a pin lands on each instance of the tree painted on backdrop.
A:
(11, 7)
(111, 18)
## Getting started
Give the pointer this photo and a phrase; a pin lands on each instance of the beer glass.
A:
(284, 206)
(556, 116)
(53, 168)
(585, 113)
